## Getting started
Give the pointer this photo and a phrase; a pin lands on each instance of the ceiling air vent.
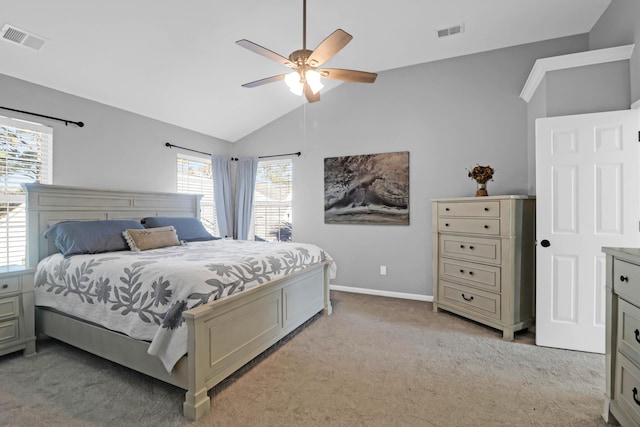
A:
(21, 37)
(450, 31)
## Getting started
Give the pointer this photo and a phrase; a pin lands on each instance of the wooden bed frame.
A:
(223, 335)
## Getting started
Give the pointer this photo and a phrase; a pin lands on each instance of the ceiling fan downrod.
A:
(304, 24)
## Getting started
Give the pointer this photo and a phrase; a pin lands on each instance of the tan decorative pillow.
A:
(151, 238)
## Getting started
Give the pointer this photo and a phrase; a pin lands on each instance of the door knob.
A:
(545, 243)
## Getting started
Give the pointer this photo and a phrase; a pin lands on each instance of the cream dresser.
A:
(484, 260)
(622, 392)
(17, 319)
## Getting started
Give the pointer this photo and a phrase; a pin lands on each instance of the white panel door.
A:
(587, 197)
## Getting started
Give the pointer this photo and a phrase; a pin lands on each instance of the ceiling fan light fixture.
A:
(313, 80)
(294, 82)
(305, 80)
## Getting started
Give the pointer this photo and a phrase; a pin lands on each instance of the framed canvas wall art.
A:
(367, 189)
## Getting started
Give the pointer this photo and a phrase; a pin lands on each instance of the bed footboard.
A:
(225, 335)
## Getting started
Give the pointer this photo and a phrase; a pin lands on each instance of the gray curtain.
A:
(245, 187)
(222, 192)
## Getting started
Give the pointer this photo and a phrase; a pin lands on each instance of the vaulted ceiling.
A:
(177, 61)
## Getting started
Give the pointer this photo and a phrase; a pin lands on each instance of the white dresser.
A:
(622, 392)
(17, 319)
(484, 260)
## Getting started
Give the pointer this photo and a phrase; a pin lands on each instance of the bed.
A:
(221, 335)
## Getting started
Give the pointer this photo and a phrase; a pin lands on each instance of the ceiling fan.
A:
(307, 76)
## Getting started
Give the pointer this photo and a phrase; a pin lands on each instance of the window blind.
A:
(25, 157)
(195, 177)
(272, 203)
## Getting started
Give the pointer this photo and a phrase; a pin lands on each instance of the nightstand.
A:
(17, 307)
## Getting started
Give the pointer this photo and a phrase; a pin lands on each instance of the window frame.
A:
(13, 227)
(208, 214)
(266, 232)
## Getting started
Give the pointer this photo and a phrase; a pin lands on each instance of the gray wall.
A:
(620, 25)
(537, 107)
(448, 114)
(114, 150)
(588, 89)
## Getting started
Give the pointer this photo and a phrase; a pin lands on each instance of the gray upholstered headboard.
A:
(50, 204)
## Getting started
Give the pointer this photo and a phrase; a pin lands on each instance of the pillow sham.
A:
(90, 237)
(151, 238)
(189, 229)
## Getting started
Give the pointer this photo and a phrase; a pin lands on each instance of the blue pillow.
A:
(90, 237)
(189, 229)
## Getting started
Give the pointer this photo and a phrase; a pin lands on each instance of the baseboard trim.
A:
(402, 295)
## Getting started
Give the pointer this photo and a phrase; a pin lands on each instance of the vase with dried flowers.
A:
(481, 174)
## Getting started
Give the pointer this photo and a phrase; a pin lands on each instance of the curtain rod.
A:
(170, 145)
(66, 122)
(297, 153)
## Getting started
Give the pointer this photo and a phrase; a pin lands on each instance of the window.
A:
(195, 177)
(25, 156)
(272, 201)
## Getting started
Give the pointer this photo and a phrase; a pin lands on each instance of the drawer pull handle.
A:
(471, 273)
(467, 299)
(637, 332)
(461, 246)
(471, 247)
(446, 209)
(447, 224)
(624, 279)
(461, 271)
(5, 286)
(486, 227)
(635, 396)
(486, 209)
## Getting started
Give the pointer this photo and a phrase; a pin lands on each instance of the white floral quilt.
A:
(143, 294)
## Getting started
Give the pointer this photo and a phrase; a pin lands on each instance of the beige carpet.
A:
(375, 362)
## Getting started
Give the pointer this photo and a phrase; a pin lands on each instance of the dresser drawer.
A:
(626, 280)
(486, 277)
(473, 249)
(9, 307)
(627, 386)
(9, 285)
(489, 227)
(629, 330)
(9, 331)
(479, 209)
(470, 299)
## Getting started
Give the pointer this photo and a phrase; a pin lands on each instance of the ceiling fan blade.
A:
(348, 75)
(311, 97)
(256, 48)
(329, 47)
(265, 81)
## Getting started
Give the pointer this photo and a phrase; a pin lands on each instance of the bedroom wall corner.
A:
(536, 108)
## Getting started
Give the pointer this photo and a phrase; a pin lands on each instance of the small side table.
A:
(17, 310)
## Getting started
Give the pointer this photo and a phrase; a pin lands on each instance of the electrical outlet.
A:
(383, 270)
